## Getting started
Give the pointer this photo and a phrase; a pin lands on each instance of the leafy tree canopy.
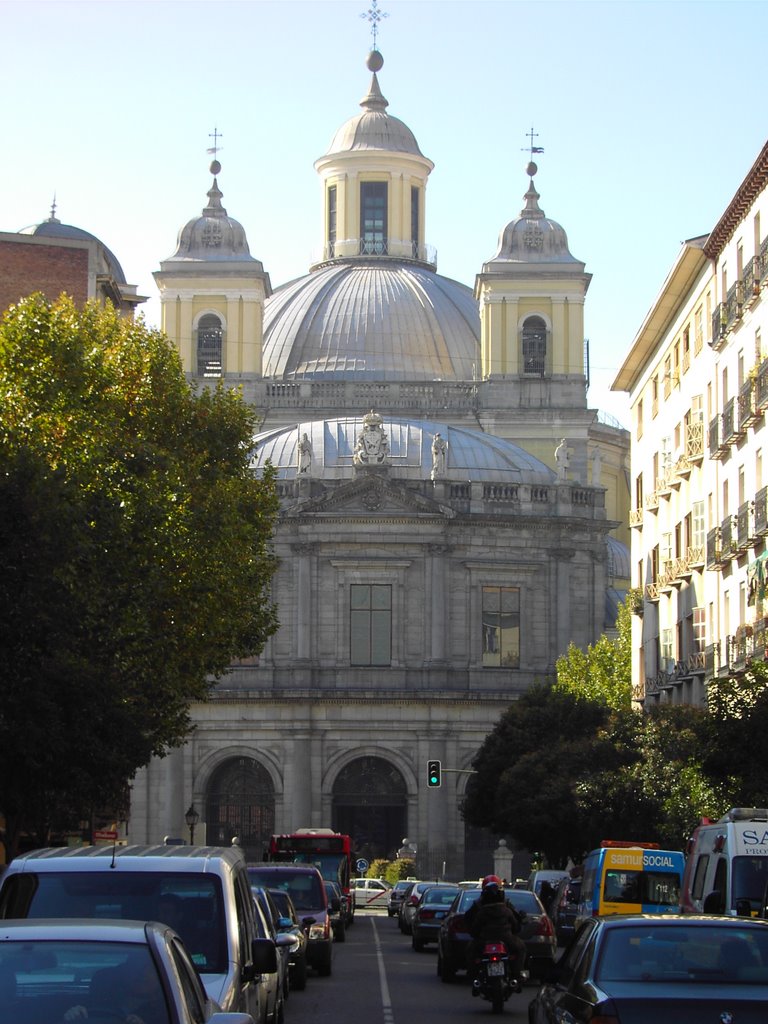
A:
(135, 553)
(604, 671)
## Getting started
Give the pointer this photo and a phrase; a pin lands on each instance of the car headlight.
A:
(318, 931)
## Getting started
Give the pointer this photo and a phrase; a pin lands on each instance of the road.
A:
(378, 979)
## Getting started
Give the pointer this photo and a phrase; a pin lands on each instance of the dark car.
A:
(411, 901)
(337, 911)
(564, 906)
(396, 894)
(663, 968)
(288, 923)
(537, 933)
(432, 907)
(102, 970)
(266, 924)
(306, 887)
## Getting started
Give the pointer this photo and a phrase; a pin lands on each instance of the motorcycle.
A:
(497, 975)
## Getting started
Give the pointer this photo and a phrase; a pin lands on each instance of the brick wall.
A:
(50, 269)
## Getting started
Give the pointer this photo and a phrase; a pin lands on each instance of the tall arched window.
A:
(240, 801)
(534, 346)
(209, 335)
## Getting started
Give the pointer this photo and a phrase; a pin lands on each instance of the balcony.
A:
(761, 388)
(764, 261)
(694, 440)
(651, 501)
(718, 448)
(729, 431)
(728, 534)
(748, 413)
(696, 556)
(682, 570)
(750, 281)
(664, 482)
(719, 326)
(760, 518)
(745, 532)
(714, 549)
(667, 575)
(734, 304)
(652, 591)
(635, 517)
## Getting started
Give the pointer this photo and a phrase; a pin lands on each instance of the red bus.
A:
(329, 851)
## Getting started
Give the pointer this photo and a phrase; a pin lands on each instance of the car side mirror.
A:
(264, 958)
(307, 921)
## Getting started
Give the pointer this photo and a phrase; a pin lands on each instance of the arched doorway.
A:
(240, 801)
(370, 803)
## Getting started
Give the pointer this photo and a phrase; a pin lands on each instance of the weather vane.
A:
(374, 15)
(215, 135)
(531, 148)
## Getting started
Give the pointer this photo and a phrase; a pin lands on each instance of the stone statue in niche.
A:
(372, 444)
(304, 454)
(561, 459)
(439, 456)
(597, 463)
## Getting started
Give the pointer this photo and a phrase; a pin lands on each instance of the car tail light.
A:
(456, 924)
(426, 915)
(544, 926)
(413, 900)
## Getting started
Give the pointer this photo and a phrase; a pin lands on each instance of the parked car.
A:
(266, 924)
(411, 901)
(336, 911)
(101, 970)
(395, 897)
(537, 933)
(305, 885)
(432, 907)
(659, 968)
(370, 892)
(565, 907)
(288, 923)
(206, 888)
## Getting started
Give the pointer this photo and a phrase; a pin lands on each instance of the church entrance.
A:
(240, 801)
(370, 804)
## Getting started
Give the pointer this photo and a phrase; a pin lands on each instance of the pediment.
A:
(372, 494)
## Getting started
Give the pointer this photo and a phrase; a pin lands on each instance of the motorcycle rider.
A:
(493, 919)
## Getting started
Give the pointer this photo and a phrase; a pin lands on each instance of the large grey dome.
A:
(372, 320)
(471, 455)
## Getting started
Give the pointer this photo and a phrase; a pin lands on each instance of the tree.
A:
(135, 555)
(735, 734)
(604, 671)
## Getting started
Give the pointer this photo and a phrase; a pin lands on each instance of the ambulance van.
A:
(630, 878)
(726, 871)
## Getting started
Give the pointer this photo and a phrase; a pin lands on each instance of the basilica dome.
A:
(372, 320)
(471, 455)
(53, 228)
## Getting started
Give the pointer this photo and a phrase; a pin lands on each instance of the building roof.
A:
(53, 228)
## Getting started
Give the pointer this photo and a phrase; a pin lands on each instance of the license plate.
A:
(440, 913)
(495, 969)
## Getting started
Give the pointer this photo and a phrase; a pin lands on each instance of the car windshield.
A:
(442, 897)
(649, 888)
(191, 903)
(684, 952)
(521, 899)
(43, 980)
(304, 887)
(750, 880)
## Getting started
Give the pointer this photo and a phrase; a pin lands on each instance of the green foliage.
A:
(378, 868)
(400, 869)
(135, 554)
(604, 671)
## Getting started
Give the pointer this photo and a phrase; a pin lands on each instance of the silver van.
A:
(202, 892)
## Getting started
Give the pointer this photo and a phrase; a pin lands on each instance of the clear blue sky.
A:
(650, 115)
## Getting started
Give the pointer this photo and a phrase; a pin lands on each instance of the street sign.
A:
(362, 865)
(104, 835)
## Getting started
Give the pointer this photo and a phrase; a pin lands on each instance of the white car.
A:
(370, 892)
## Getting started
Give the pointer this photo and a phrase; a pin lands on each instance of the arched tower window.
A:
(534, 346)
(373, 218)
(209, 338)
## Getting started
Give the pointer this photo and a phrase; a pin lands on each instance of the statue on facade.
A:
(439, 456)
(372, 444)
(561, 459)
(304, 454)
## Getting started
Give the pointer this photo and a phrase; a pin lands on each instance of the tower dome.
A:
(214, 236)
(533, 237)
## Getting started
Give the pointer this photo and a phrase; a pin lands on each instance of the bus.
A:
(630, 878)
(329, 851)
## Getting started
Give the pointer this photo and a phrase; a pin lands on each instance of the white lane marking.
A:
(386, 1002)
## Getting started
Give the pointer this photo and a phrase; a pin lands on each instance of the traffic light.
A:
(434, 774)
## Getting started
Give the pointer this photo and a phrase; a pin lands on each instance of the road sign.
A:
(362, 865)
(104, 835)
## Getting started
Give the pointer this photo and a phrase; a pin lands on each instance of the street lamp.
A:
(191, 818)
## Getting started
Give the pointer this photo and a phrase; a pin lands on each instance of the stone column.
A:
(303, 553)
(437, 554)
(562, 600)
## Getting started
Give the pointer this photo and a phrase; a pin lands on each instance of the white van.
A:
(726, 871)
(208, 886)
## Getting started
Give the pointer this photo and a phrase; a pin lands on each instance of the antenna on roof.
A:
(374, 16)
